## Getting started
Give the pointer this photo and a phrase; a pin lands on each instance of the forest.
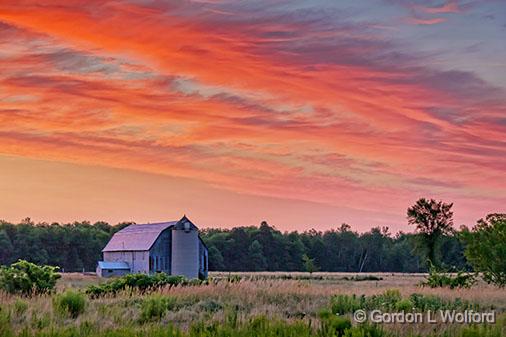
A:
(77, 246)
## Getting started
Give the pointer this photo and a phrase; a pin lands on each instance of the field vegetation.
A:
(247, 304)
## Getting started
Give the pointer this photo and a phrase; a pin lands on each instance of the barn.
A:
(173, 247)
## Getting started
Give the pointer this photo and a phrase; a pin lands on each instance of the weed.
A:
(70, 303)
(392, 300)
(440, 278)
(210, 305)
(333, 325)
(20, 307)
(141, 282)
(342, 304)
(154, 307)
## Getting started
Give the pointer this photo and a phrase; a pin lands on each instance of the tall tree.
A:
(486, 248)
(256, 256)
(5, 248)
(215, 259)
(432, 219)
(309, 264)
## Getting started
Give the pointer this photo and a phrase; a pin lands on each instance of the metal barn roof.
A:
(137, 237)
(113, 265)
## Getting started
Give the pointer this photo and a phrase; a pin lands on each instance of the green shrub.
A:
(40, 322)
(20, 307)
(431, 302)
(27, 278)
(70, 303)
(389, 298)
(439, 279)
(486, 248)
(366, 330)
(333, 325)
(140, 282)
(5, 326)
(405, 305)
(342, 304)
(154, 307)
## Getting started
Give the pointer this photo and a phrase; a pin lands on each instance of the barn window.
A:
(109, 270)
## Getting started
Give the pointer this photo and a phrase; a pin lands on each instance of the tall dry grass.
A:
(269, 294)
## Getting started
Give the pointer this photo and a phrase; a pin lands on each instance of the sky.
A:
(306, 114)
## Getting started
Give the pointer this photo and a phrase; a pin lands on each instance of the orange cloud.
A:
(275, 105)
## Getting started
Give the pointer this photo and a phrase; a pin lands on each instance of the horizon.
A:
(303, 114)
(337, 227)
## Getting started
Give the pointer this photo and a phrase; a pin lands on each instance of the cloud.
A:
(299, 102)
(429, 13)
(451, 6)
(426, 22)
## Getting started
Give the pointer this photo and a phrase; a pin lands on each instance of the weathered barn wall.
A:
(185, 253)
(160, 252)
(137, 260)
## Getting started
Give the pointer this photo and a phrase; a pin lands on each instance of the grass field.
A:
(245, 304)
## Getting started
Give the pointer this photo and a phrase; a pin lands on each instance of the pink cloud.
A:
(275, 105)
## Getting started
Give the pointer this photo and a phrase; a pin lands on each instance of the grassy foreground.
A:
(259, 304)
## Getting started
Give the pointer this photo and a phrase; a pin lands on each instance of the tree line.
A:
(264, 248)
(77, 246)
(74, 246)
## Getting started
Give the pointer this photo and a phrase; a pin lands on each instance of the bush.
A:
(155, 307)
(332, 325)
(342, 304)
(70, 303)
(20, 307)
(141, 282)
(486, 248)
(439, 279)
(27, 278)
(404, 305)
